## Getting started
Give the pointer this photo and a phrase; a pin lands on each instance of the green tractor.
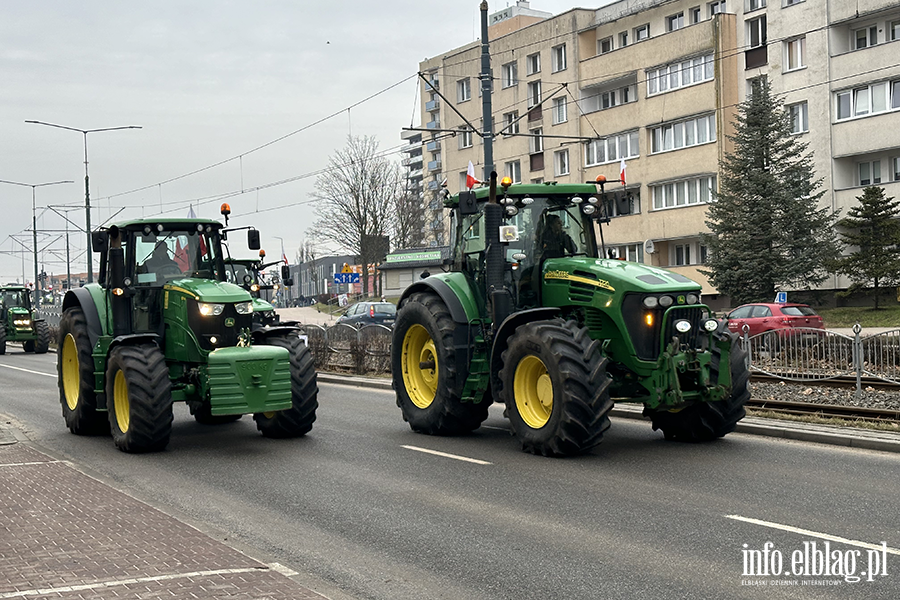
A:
(20, 322)
(245, 272)
(529, 315)
(162, 325)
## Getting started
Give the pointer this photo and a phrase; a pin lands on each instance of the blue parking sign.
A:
(781, 297)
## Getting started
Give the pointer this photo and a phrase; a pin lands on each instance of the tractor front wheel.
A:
(297, 420)
(2, 339)
(139, 398)
(706, 421)
(555, 388)
(75, 368)
(42, 343)
(427, 380)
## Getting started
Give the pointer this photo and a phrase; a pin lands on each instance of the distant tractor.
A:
(246, 272)
(163, 325)
(531, 316)
(20, 321)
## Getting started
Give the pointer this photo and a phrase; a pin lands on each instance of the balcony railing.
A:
(433, 105)
(433, 146)
(433, 125)
(433, 185)
(756, 57)
(434, 165)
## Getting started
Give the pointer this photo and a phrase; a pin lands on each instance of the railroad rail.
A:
(840, 381)
(840, 411)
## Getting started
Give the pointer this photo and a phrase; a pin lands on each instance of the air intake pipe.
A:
(495, 261)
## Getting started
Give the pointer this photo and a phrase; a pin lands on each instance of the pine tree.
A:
(873, 229)
(767, 229)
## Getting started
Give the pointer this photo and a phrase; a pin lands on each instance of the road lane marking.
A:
(445, 455)
(27, 371)
(824, 536)
(120, 582)
(31, 464)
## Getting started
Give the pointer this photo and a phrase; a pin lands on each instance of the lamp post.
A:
(33, 186)
(87, 189)
(287, 290)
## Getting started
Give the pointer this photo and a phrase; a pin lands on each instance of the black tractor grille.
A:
(649, 339)
(208, 328)
(580, 291)
(691, 314)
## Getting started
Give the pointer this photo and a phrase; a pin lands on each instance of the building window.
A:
(865, 37)
(795, 53)
(462, 182)
(642, 32)
(799, 114)
(558, 58)
(675, 22)
(605, 45)
(895, 162)
(895, 30)
(463, 90)
(791, 2)
(510, 74)
(683, 193)
(755, 4)
(623, 39)
(612, 149)
(869, 172)
(511, 122)
(561, 162)
(694, 15)
(680, 74)
(559, 111)
(513, 170)
(756, 32)
(593, 99)
(533, 64)
(872, 99)
(683, 134)
(534, 93)
(682, 254)
(465, 137)
(536, 143)
(716, 7)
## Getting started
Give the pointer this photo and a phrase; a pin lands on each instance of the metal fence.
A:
(345, 349)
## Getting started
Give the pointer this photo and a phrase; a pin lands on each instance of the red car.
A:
(771, 316)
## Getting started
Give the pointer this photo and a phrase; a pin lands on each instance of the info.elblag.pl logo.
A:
(814, 563)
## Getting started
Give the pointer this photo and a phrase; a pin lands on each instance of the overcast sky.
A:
(207, 80)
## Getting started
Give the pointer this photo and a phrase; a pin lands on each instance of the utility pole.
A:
(486, 85)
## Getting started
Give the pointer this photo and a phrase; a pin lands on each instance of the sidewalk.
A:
(66, 535)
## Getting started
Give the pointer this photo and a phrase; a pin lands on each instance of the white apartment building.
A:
(658, 83)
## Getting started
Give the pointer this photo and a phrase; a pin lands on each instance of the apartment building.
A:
(658, 83)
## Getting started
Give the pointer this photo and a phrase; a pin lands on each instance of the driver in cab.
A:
(159, 262)
(555, 242)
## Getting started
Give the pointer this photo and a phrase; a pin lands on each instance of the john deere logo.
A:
(681, 300)
(229, 322)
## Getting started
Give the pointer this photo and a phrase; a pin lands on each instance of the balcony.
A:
(535, 114)
(414, 174)
(756, 57)
(433, 105)
(433, 186)
(433, 124)
(434, 165)
(537, 161)
(433, 146)
(412, 161)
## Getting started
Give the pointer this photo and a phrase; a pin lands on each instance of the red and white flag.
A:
(470, 177)
(622, 171)
(283, 255)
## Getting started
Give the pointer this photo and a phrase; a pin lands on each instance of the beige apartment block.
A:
(658, 83)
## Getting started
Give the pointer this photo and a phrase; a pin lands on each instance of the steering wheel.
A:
(169, 270)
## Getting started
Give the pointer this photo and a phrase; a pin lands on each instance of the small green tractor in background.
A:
(529, 315)
(20, 322)
(246, 272)
(161, 325)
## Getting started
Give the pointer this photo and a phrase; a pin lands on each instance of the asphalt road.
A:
(363, 508)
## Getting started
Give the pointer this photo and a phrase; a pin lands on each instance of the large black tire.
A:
(139, 398)
(203, 415)
(427, 380)
(28, 345)
(297, 420)
(555, 387)
(75, 370)
(2, 339)
(706, 421)
(42, 343)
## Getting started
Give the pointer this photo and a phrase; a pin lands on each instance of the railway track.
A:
(850, 413)
(842, 381)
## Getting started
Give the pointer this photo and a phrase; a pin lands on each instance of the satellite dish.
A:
(649, 247)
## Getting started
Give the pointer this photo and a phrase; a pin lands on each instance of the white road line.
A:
(445, 455)
(28, 371)
(824, 536)
(109, 584)
(29, 464)
(280, 568)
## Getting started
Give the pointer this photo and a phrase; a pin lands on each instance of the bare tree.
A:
(356, 197)
(408, 224)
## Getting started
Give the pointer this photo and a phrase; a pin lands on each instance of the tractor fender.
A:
(457, 312)
(131, 339)
(82, 298)
(506, 329)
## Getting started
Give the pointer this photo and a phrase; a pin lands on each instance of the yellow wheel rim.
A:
(71, 372)
(419, 376)
(120, 401)
(533, 391)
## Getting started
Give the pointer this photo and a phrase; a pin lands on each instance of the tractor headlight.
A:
(254, 287)
(666, 301)
(710, 325)
(208, 309)
(651, 302)
(682, 326)
(589, 209)
(692, 299)
(243, 308)
(22, 322)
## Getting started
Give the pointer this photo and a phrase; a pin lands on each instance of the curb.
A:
(864, 439)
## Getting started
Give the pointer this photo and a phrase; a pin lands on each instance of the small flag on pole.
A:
(283, 255)
(191, 214)
(622, 171)
(470, 176)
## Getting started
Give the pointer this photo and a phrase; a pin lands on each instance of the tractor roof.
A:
(550, 188)
(169, 224)
(16, 287)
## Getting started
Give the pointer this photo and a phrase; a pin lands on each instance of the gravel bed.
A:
(817, 394)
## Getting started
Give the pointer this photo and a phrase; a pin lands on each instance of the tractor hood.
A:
(208, 290)
(261, 306)
(18, 310)
(616, 275)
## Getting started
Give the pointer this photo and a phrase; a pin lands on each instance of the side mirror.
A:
(288, 282)
(99, 240)
(285, 272)
(253, 239)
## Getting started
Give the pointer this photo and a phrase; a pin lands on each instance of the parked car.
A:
(368, 313)
(783, 318)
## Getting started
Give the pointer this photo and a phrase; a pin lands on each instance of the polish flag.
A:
(181, 257)
(470, 177)
(622, 171)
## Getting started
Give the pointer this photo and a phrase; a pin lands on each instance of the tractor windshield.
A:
(173, 254)
(548, 229)
(11, 298)
(239, 273)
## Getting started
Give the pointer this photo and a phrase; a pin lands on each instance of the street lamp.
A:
(37, 296)
(87, 189)
(287, 289)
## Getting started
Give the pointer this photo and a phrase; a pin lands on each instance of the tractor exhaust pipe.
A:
(495, 261)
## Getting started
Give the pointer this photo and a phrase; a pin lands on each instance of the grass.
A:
(864, 315)
(859, 424)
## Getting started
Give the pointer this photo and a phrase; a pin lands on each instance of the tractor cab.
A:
(15, 297)
(19, 323)
(246, 272)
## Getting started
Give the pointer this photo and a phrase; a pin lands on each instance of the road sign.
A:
(781, 297)
(347, 269)
(340, 278)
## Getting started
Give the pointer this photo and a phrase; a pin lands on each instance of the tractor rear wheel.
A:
(555, 388)
(75, 368)
(706, 421)
(42, 343)
(297, 420)
(28, 345)
(2, 339)
(427, 380)
(139, 398)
